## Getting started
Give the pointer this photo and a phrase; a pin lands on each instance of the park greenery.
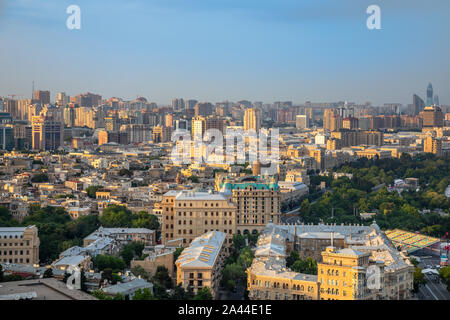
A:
(58, 232)
(295, 263)
(240, 258)
(403, 210)
(444, 274)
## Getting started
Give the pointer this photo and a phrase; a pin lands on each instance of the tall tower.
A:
(436, 99)
(252, 119)
(430, 95)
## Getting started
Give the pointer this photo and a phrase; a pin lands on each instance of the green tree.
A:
(139, 271)
(143, 294)
(48, 273)
(145, 220)
(304, 208)
(116, 216)
(204, 294)
(419, 279)
(92, 190)
(39, 178)
(177, 253)
(162, 277)
(102, 262)
(444, 274)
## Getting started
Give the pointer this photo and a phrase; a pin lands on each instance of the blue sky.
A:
(212, 50)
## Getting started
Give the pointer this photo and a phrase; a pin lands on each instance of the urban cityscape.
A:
(106, 197)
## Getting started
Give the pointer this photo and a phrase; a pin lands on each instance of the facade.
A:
(157, 256)
(19, 245)
(252, 119)
(432, 117)
(301, 122)
(189, 214)
(122, 235)
(42, 96)
(354, 263)
(432, 145)
(200, 264)
(47, 133)
(257, 204)
(268, 278)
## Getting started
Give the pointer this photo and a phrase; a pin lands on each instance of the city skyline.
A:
(266, 51)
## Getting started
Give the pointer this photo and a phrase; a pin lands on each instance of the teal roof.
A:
(255, 185)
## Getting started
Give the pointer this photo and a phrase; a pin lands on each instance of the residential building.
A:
(19, 245)
(200, 264)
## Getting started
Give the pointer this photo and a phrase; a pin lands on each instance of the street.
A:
(434, 289)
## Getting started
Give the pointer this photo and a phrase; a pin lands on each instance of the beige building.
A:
(268, 278)
(356, 263)
(157, 256)
(200, 264)
(189, 214)
(257, 203)
(432, 145)
(19, 245)
(252, 119)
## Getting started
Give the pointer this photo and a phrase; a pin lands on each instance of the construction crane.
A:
(14, 95)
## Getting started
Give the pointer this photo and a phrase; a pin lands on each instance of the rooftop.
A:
(202, 251)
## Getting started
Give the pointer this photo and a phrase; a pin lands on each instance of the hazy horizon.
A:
(267, 50)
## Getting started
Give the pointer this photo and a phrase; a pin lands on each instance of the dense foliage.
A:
(116, 216)
(349, 196)
(295, 263)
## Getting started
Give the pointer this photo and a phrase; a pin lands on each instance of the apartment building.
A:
(356, 263)
(189, 214)
(19, 245)
(257, 203)
(200, 264)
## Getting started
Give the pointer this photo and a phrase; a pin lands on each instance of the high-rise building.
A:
(47, 132)
(11, 106)
(178, 105)
(252, 119)
(112, 123)
(301, 122)
(181, 124)
(203, 109)
(430, 95)
(6, 137)
(87, 100)
(62, 99)
(190, 104)
(69, 116)
(418, 105)
(432, 117)
(432, 145)
(257, 203)
(214, 122)
(42, 96)
(436, 99)
(198, 126)
(350, 123)
(188, 214)
(161, 134)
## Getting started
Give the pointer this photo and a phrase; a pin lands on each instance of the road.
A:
(434, 289)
